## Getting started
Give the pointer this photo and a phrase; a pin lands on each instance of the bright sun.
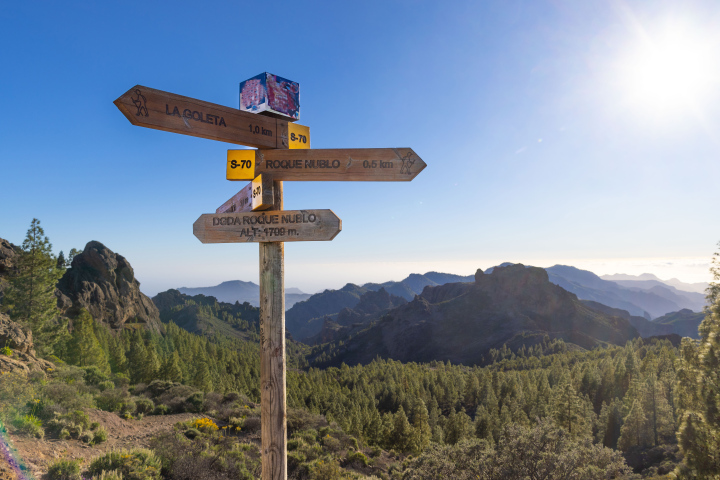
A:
(672, 70)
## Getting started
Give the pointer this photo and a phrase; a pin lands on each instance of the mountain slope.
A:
(460, 322)
(299, 319)
(699, 287)
(685, 322)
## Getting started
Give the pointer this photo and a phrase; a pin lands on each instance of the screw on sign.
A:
(255, 214)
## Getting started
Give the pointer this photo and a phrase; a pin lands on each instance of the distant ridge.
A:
(239, 291)
(699, 287)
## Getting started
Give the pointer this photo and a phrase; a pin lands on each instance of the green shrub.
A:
(94, 425)
(86, 437)
(135, 464)
(128, 407)
(7, 351)
(196, 401)
(191, 433)
(30, 425)
(357, 459)
(64, 470)
(64, 434)
(94, 376)
(325, 470)
(161, 410)
(106, 385)
(144, 405)
(111, 475)
(100, 436)
(112, 399)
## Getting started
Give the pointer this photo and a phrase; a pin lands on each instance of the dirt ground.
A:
(38, 454)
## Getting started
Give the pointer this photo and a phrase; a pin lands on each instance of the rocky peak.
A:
(103, 282)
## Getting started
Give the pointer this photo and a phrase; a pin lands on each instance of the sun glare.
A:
(673, 70)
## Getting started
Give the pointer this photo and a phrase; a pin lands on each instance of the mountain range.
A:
(624, 279)
(239, 291)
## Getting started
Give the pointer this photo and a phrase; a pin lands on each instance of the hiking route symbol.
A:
(407, 163)
(140, 103)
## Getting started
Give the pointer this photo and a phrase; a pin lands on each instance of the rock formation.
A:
(19, 340)
(103, 283)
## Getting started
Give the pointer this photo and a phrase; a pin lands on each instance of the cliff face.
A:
(8, 253)
(460, 322)
(103, 283)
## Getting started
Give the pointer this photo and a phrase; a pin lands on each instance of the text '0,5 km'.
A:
(268, 226)
(340, 164)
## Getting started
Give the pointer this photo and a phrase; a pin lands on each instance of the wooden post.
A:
(273, 405)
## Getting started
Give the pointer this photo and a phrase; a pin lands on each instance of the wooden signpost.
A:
(255, 214)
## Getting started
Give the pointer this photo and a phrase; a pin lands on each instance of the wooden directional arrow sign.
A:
(340, 164)
(152, 108)
(269, 226)
(257, 195)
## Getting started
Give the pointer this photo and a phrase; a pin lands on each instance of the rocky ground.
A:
(39, 454)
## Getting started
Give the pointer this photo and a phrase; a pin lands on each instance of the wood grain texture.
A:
(340, 164)
(273, 403)
(267, 226)
(151, 108)
(256, 195)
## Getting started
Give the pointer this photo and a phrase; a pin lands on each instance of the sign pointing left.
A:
(152, 108)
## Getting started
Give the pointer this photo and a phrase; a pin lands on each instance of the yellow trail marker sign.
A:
(268, 226)
(240, 165)
(299, 136)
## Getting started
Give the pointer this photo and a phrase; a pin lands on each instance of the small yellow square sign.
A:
(240, 165)
(299, 136)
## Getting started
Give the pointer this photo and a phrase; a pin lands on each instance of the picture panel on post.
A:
(268, 226)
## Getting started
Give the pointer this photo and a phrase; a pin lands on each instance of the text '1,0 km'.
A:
(268, 226)
(338, 164)
(152, 108)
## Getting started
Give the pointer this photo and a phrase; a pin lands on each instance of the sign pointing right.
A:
(340, 164)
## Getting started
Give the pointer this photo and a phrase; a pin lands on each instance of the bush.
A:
(30, 425)
(86, 437)
(128, 407)
(144, 405)
(94, 426)
(106, 385)
(111, 475)
(64, 470)
(120, 380)
(161, 410)
(135, 464)
(94, 376)
(205, 425)
(64, 434)
(325, 470)
(7, 351)
(111, 400)
(192, 433)
(68, 395)
(195, 401)
(357, 459)
(100, 436)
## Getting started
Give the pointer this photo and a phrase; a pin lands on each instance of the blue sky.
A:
(547, 138)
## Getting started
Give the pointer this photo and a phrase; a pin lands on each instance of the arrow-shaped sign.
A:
(257, 195)
(269, 226)
(339, 164)
(152, 108)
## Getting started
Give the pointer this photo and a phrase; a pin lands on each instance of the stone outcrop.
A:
(8, 254)
(19, 340)
(103, 283)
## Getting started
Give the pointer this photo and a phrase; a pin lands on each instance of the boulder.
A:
(8, 255)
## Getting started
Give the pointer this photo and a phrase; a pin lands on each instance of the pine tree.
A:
(401, 433)
(74, 252)
(568, 408)
(83, 348)
(421, 432)
(137, 358)
(30, 298)
(170, 369)
(699, 389)
(60, 260)
(634, 432)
